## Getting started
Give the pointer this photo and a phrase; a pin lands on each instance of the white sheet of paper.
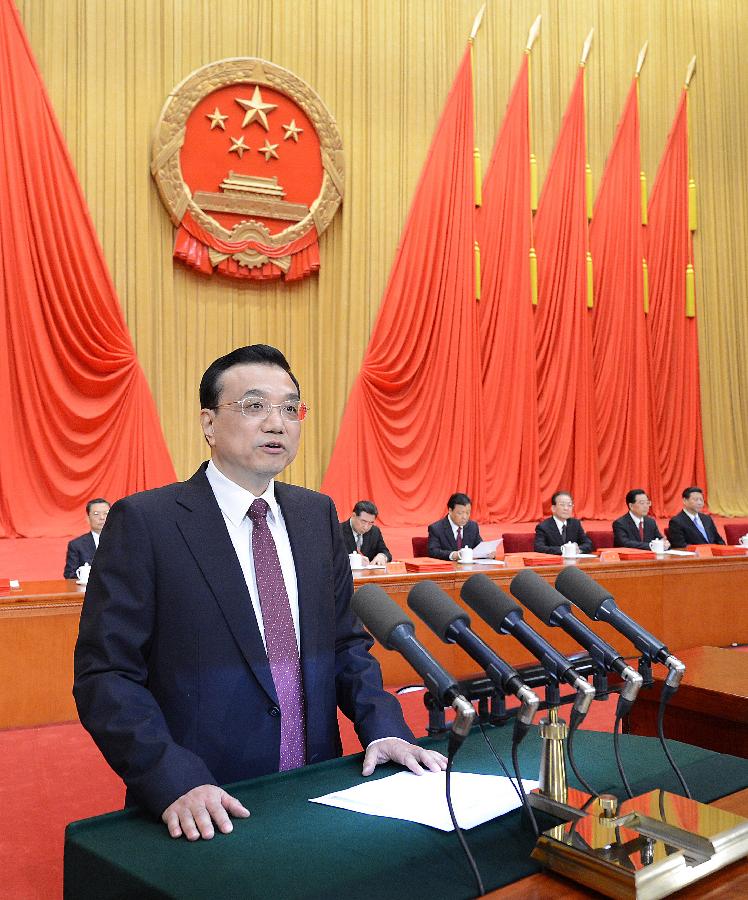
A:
(680, 553)
(485, 547)
(421, 798)
(489, 562)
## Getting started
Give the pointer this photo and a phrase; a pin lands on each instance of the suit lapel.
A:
(201, 523)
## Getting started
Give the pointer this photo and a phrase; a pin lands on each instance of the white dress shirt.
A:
(96, 535)
(234, 501)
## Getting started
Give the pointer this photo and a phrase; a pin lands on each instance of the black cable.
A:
(667, 693)
(458, 830)
(572, 762)
(499, 760)
(525, 801)
(617, 750)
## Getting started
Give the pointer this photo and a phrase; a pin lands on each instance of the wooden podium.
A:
(710, 708)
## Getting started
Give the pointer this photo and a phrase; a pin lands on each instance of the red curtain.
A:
(411, 432)
(563, 341)
(512, 489)
(673, 335)
(79, 417)
(620, 341)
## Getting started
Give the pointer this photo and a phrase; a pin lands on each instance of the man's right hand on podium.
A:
(194, 813)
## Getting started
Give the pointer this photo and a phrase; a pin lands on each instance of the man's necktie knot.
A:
(258, 510)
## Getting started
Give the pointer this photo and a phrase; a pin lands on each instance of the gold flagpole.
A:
(690, 287)
(477, 168)
(587, 176)
(531, 38)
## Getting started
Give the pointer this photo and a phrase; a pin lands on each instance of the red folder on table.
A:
(427, 564)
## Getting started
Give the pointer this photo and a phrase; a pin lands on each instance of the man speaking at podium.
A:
(216, 639)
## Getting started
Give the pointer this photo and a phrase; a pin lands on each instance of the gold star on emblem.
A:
(292, 131)
(216, 119)
(239, 147)
(256, 109)
(269, 151)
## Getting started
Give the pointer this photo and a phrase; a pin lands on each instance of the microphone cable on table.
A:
(667, 692)
(453, 748)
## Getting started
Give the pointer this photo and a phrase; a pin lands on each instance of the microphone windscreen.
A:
(537, 595)
(582, 590)
(379, 612)
(488, 600)
(437, 609)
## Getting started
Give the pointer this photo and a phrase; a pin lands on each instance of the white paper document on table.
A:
(421, 798)
(485, 548)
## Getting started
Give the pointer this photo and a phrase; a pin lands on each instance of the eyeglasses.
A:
(259, 408)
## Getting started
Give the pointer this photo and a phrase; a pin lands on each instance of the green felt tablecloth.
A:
(292, 848)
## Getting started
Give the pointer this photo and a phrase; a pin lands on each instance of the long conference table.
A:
(685, 601)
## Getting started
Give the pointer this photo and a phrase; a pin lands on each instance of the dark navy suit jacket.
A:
(548, 536)
(80, 550)
(442, 541)
(626, 534)
(372, 544)
(171, 675)
(683, 532)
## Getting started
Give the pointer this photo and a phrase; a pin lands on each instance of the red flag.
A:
(566, 401)
(411, 433)
(620, 345)
(673, 334)
(506, 320)
(72, 394)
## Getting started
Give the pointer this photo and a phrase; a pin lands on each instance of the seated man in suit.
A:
(691, 525)
(455, 531)
(217, 638)
(637, 528)
(81, 549)
(360, 534)
(561, 528)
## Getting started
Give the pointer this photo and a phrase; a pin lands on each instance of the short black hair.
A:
(561, 494)
(459, 500)
(691, 490)
(365, 506)
(633, 494)
(264, 354)
(96, 500)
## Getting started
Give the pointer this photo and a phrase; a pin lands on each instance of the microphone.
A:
(498, 609)
(395, 631)
(599, 605)
(553, 609)
(452, 624)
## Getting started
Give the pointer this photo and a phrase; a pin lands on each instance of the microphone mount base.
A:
(646, 848)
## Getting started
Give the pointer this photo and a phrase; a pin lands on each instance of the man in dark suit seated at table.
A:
(81, 549)
(361, 535)
(691, 525)
(455, 531)
(216, 639)
(561, 528)
(637, 528)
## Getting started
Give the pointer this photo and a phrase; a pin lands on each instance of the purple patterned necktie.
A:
(280, 638)
(459, 537)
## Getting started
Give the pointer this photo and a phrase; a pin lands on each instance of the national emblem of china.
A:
(249, 164)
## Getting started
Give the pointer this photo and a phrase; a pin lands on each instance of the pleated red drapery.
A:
(79, 417)
(506, 320)
(627, 448)
(566, 401)
(673, 335)
(411, 433)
